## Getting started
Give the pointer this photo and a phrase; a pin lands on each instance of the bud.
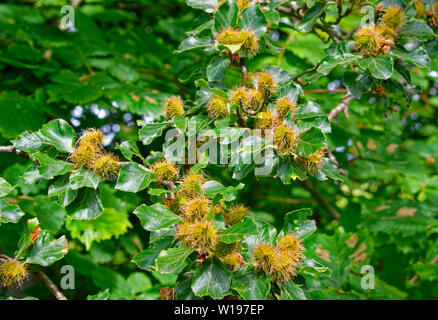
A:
(236, 214)
(218, 107)
(266, 82)
(368, 40)
(164, 170)
(106, 166)
(393, 17)
(245, 41)
(285, 139)
(200, 235)
(12, 272)
(92, 137)
(174, 107)
(284, 106)
(313, 162)
(197, 208)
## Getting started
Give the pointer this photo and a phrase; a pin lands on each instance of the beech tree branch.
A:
(341, 107)
(321, 201)
(13, 150)
(51, 286)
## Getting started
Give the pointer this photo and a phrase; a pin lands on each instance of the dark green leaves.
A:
(212, 188)
(5, 187)
(150, 131)
(249, 285)
(311, 16)
(417, 57)
(238, 231)
(171, 260)
(156, 217)
(51, 167)
(9, 212)
(310, 141)
(83, 178)
(416, 29)
(46, 250)
(380, 67)
(59, 134)
(297, 223)
(133, 178)
(86, 206)
(217, 68)
(253, 20)
(206, 5)
(226, 16)
(212, 279)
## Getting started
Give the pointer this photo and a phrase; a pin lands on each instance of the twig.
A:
(164, 76)
(261, 105)
(286, 200)
(327, 207)
(342, 107)
(333, 159)
(243, 69)
(13, 150)
(325, 91)
(51, 286)
(307, 71)
(416, 277)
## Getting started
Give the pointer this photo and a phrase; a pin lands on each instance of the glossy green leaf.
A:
(310, 141)
(171, 260)
(156, 216)
(86, 206)
(46, 250)
(298, 224)
(9, 212)
(133, 178)
(249, 285)
(59, 134)
(52, 167)
(212, 279)
(83, 178)
(238, 231)
(5, 187)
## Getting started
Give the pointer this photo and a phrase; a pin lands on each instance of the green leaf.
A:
(111, 223)
(101, 295)
(254, 20)
(83, 178)
(86, 206)
(226, 16)
(9, 212)
(156, 217)
(206, 5)
(297, 223)
(124, 73)
(192, 43)
(30, 142)
(5, 187)
(59, 134)
(150, 131)
(212, 188)
(357, 83)
(380, 67)
(46, 250)
(173, 259)
(62, 189)
(290, 291)
(416, 29)
(217, 68)
(133, 178)
(249, 285)
(418, 57)
(310, 141)
(311, 16)
(330, 170)
(246, 227)
(129, 149)
(51, 167)
(50, 214)
(212, 279)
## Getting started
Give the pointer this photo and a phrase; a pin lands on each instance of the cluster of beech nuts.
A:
(373, 40)
(89, 153)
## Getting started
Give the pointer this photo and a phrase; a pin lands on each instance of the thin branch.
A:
(342, 107)
(416, 277)
(266, 96)
(51, 286)
(286, 200)
(243, 69)
(164, 76)
(13, 150)
(333, 159)
(321, 201)
(307, 71)
(325, 91)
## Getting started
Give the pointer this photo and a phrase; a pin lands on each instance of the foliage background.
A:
(119, 65)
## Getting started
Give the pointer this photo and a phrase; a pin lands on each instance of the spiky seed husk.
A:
(263, 120)
(218, 107)
(167, 293)
(420, 9)
(164, 170)
(264, 256)
(246, 39)
(266, 82)
(200, 235)
(223, 249)
(191, 185)
(236, 214)
(393, 17)
(250, 97)
(285, 139)
(313, 162)
(233, 261)
(387, 32)
(196, 208)
(290, 242)
(284, 106)
(92, 137)
(243, 4)
(174, 107)
(177, 204)
(368, 40)
(250, 80)
(12, 272)
(106, 166)
(85, 154)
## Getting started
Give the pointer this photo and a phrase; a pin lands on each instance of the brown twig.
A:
(321, 201)
(307, 71)
(51, 286)
(243, 69)
(335, 161)
(261, 105)
(341, 107)
(13, 150)
(325, 91)
(416, 277)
